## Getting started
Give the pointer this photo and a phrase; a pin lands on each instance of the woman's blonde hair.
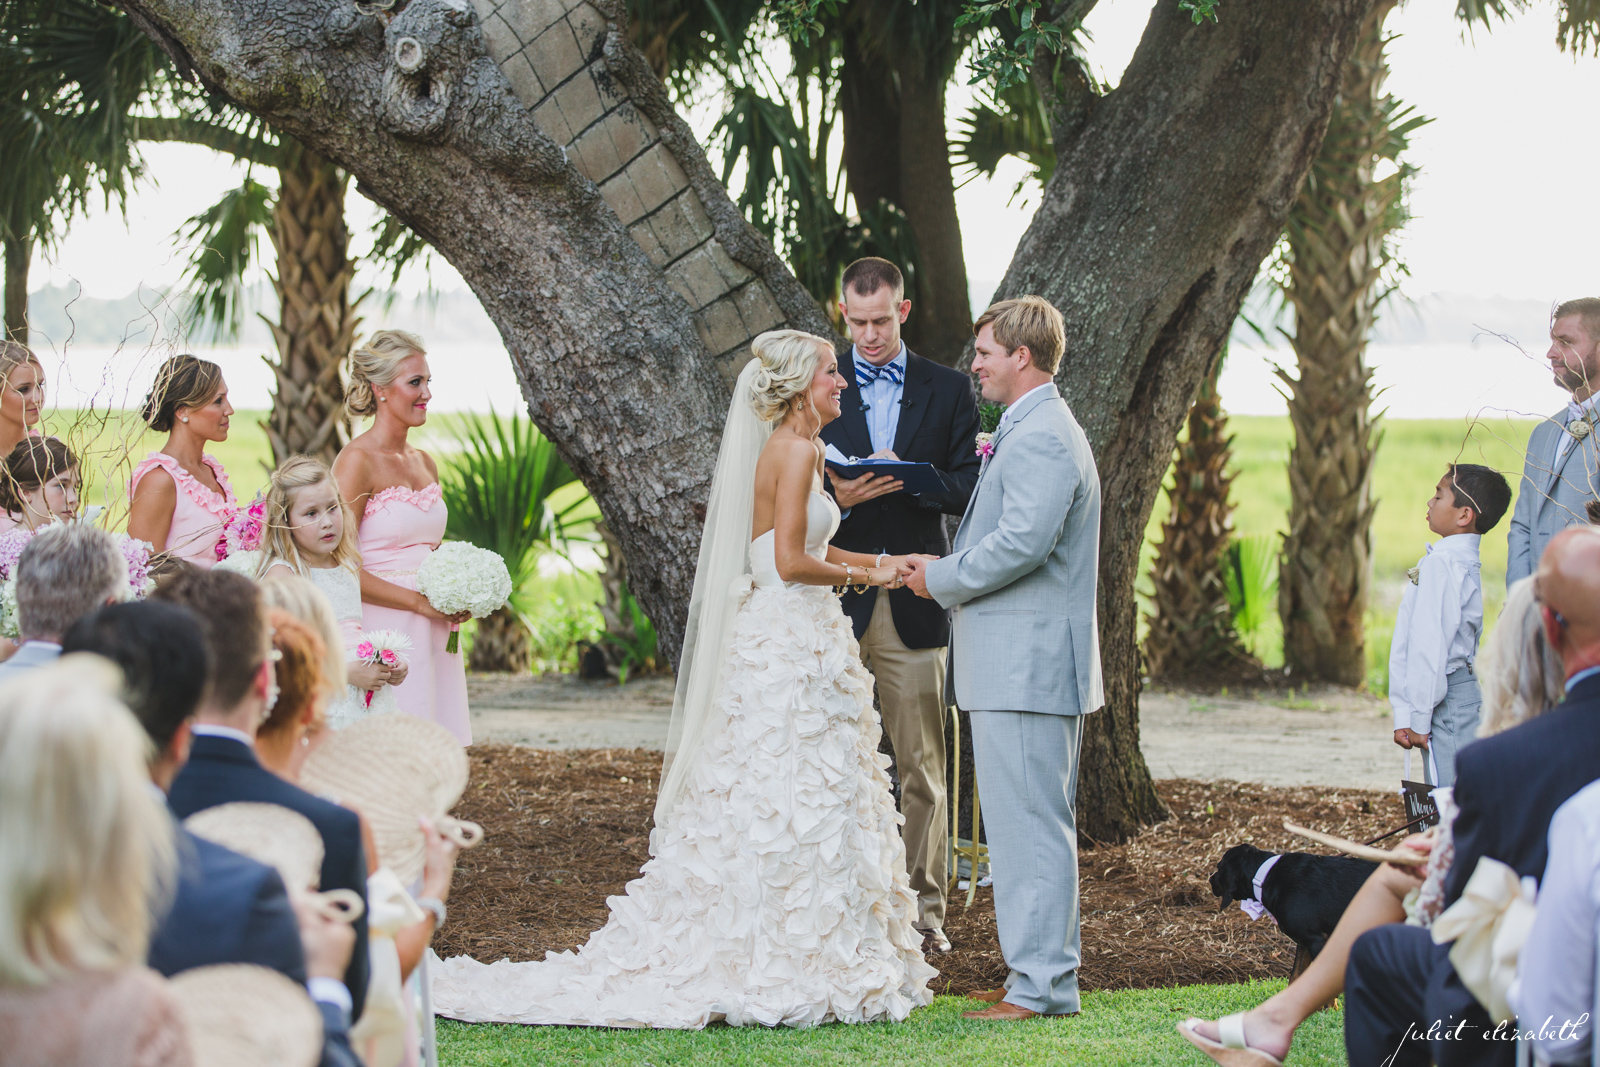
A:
(789, 360)
(277, 542)
(86, 848)
(301, 598)
(14, 354)
(377, 363)
(1522, 675)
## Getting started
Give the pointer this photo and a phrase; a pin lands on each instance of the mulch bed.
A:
(567, 829)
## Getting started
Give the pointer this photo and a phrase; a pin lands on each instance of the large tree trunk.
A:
(1167, 195)
(19, 258)
(626, 285)
(895, 149)
(1190, 627)
(316, 323)
(1336, 252)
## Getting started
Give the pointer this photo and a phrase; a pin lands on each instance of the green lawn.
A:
(1411, 459)
(1134, 1027)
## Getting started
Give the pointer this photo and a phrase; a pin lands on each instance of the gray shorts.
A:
(1454, 724)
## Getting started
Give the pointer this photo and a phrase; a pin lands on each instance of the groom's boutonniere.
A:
(985, 444)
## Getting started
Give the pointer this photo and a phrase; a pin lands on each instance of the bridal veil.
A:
(721, 581)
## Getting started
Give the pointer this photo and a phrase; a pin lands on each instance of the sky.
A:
(1501, 205)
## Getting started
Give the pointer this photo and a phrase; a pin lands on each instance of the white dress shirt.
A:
(1436, 631)
(882, 400)
(1575, 410)
(211, 729)
(1006, 414)
(1555, 985)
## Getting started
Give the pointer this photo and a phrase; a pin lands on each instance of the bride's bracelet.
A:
(850, 582)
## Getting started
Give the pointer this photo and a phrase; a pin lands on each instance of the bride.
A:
(776, 894)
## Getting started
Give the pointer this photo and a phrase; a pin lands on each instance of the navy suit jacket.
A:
(227, 909)
(221, 771)
(1509, 786)
(938, 424)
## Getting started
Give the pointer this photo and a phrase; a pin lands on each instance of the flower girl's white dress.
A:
(343, 590)
(777, 893)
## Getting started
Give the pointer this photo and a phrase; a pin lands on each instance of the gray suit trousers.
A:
(1027, 765)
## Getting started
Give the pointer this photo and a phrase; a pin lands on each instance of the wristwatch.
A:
(435, 905)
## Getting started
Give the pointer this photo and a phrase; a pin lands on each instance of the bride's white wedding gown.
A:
(777, 894)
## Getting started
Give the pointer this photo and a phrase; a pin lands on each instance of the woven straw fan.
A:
(280, 838)
(239, 1015)
(394, 769)
(1399, 857)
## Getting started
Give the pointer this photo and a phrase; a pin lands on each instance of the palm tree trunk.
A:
(316, 319)
(1191, 627)
(502, 643)
(19, 257)
(1337, 235)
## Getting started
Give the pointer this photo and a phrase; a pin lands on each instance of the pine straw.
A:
(566, 829)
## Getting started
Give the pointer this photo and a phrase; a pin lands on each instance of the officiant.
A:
(899, 405)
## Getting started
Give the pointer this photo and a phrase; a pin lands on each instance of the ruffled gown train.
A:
(777, 892)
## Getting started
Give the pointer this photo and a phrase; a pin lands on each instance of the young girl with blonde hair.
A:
(310, 534)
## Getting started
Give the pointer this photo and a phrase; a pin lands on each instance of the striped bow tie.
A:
(866, 373)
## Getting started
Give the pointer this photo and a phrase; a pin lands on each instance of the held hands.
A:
(439, 863)
(1410, 739)
(916, 579)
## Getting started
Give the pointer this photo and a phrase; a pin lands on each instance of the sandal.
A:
(1232, 1051)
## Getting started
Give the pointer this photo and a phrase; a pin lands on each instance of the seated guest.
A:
(64, 573)
(285, 739)
(227, 908)
(86, 858)
(1556, 970)
(1522, 677)
(223, 766)
(1399, 983)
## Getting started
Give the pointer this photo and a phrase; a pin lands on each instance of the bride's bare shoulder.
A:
(787, 452)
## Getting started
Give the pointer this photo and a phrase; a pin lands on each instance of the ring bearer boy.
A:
(1432, 686)
(902, 406)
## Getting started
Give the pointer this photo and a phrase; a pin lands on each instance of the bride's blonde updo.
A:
(377, 363)
(789, 361)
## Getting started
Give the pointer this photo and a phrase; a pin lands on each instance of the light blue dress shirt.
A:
(882, 400)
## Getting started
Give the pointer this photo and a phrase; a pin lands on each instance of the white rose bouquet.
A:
(459, 577)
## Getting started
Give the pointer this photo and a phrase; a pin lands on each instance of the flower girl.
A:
(309, 531)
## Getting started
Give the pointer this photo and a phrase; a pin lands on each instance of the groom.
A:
(1025, 648)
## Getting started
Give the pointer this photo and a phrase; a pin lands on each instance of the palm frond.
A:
(226, 237)
(499, 488)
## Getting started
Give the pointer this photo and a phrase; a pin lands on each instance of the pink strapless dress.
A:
(400, 527)
(199, 515)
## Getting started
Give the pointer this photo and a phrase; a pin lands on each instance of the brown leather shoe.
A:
(1003, 1012)
(989, 996)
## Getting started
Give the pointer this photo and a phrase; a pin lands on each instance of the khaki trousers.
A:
(911, 694)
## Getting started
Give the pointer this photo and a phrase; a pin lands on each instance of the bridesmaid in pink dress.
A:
(393, 488)
(181, 496)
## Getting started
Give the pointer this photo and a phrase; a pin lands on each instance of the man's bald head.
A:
(1568, 584)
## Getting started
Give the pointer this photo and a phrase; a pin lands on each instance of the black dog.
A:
(1306, 894)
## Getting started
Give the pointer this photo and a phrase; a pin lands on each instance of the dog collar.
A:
(1254, 907)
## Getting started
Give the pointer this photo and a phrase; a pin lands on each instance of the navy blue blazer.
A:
(227, 909)
(221, 771)
(938, 425)
(1509, 786)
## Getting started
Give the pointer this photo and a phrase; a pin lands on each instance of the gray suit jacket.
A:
(1022, 575)
(31, 654)
(1550, 498)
